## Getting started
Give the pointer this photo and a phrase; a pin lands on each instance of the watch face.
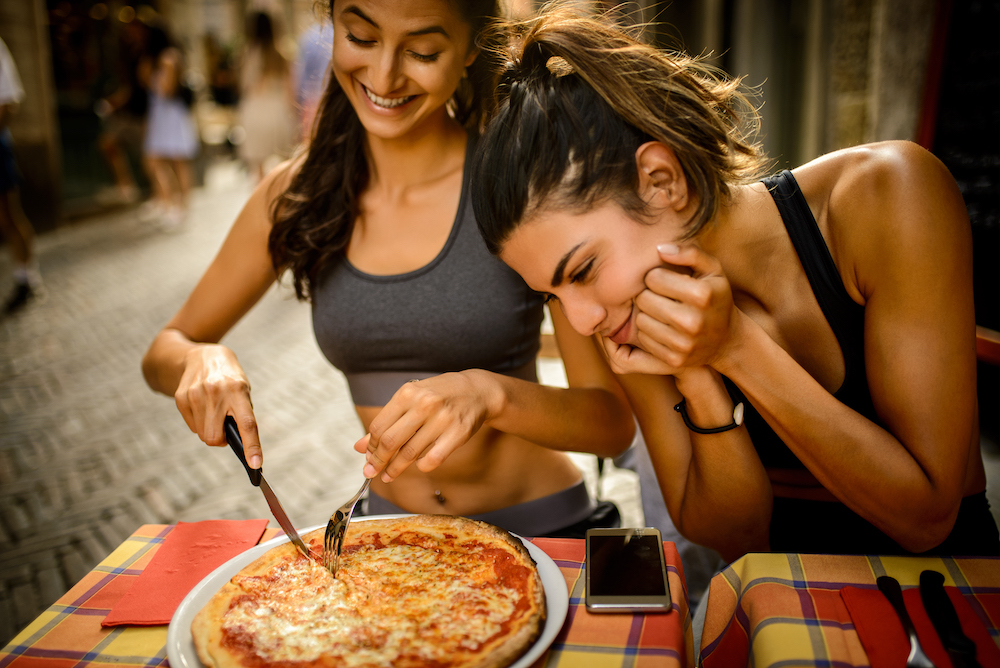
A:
(738, 414)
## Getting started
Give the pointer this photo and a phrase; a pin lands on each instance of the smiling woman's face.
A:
(594, 263)
(399, 62)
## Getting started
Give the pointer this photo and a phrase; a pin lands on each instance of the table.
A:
(786, 610)
(69, 632)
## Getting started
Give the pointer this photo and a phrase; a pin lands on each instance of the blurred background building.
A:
(831, 73)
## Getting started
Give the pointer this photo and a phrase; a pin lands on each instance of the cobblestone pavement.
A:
(88, 452)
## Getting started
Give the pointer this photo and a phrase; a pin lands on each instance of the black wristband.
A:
(737, 419)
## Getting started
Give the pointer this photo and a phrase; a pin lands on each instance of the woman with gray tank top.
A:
(436, 337)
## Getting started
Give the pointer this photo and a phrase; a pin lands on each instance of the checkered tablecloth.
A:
(786, 609)
(69, 633)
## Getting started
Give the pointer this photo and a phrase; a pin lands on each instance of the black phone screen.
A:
(626, 566)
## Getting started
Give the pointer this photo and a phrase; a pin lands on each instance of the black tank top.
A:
(846, 319)
(828, 527)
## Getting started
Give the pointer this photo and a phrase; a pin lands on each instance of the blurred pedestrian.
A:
(171, 137)
(14, 226)
(266, 108)
(223, 81)
(123, 113)
(311, 68)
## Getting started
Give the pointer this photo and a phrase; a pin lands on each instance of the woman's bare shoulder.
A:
(278, 180)
(871, 176)
(885, 202)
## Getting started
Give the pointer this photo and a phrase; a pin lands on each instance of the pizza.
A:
(417, 591)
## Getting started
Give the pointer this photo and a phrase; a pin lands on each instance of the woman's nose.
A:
(584, 315)
(385, 73)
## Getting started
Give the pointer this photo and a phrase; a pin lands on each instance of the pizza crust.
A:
(429, 537)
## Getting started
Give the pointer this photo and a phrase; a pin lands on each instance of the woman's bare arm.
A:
(904, 244)
(185, 360)
(714, 485)
(428, 420)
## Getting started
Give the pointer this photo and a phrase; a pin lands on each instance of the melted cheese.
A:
(386, 603)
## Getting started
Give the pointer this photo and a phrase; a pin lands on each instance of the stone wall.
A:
(877, 59)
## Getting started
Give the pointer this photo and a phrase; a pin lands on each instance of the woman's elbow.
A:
(926, 530)
(732, 533)
(149, 370)
(621, 436)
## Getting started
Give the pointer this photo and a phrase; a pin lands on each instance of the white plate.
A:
(180, 644)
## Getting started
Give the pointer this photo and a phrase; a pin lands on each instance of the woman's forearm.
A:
(163, 363)
(590, 420)
(714, 486)
(864, 465)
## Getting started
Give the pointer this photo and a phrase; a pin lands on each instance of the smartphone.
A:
(626, 571)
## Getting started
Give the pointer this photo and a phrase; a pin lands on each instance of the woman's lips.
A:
(620, 335)
(385, 104)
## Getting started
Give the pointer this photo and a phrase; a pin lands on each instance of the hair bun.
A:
(533, 63)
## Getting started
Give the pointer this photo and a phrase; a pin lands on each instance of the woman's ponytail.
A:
(579, 94)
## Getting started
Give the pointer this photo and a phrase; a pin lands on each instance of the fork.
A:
(333, 539)
(889, 586)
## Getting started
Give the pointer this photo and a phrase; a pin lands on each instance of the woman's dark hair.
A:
(313, 219)
(577, 97)
(260, 31)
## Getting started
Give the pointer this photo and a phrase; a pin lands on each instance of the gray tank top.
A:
(465, 309)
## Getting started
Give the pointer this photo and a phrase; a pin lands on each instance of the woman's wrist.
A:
(742, 330)
(491, 389)
(696, 381)
(706, 402)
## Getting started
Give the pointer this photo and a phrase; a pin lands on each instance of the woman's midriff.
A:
(492, 470)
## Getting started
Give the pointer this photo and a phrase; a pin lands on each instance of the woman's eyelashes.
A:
(425, 58)
(582, 274)
(422, 57)
(357, 40)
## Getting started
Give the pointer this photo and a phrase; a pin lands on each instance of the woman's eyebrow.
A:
(429, 30)
(354, 9)
(557, 275)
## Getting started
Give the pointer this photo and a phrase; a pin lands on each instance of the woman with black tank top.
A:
(373, 223)
(799, 350)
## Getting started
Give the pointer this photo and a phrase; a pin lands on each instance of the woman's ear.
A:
(661, 179)
(471, 58)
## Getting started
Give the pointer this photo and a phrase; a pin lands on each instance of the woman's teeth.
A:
(388, 103)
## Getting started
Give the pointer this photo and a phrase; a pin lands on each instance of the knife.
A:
(257, 478)
(961, 650)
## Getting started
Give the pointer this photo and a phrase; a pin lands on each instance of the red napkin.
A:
(885, 641)
(189, 553)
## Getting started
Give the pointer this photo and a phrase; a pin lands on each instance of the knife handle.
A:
(890, 588)
(942, 613)
(236, 443)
